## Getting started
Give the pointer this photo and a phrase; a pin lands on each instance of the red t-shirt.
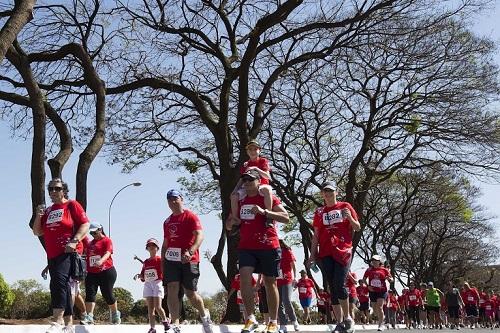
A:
(261, 163)
(376, 278)
(235, 284)
(286, 271)
(254, 234)
(482, 299)
(323, 299)
(362, 292)
(152, 270)
(392, 302)
(402, 300)
(178, 232)
(305, 287)
(470, 297)
(350, 284)
(413, 297)
(329, 222)
(95, 250)
(57, 225)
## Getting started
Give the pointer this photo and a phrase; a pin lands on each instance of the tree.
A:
(6, 297)
(31, 300)
(17, 18)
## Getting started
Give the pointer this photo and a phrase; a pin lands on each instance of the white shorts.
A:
(242, 193)
(153, 289)
(74, 285)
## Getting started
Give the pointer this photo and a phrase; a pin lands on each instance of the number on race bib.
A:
(246, 212)
(376, 283)
(413, 298)
(55, 216)
(93, 260)
(332, 217)
(173, 254)
(302, 290)
(150, 275)
(470, 298)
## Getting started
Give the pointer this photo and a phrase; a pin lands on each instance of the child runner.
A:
(152, 276)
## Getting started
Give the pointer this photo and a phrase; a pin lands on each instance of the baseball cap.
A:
(254, 174)
(152, 241)
(253, 143)
(430, 284)
(173, 194)
(94, 226)
(329, 185)
(376, 257)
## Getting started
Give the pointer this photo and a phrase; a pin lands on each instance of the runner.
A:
(454, 303)
(286, 282)
(259, 248)
(334, 224)
(350, 283)
(152, 276)
(62, 225)
(423, 305)
(323, 303)
(392, 308)
(402, 300)
(482, 300)
(306, 287)
(235, 288)
(433, 299)
(101, 274)
(180, 255)
(489, 312)
(364, 301)
(376, 275)
(470, 297)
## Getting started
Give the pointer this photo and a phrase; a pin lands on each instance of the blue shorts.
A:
(306, 302)
(266, 262)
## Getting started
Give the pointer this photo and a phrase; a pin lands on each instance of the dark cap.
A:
(329, 186)
(251, 174)
(254, 143)
(302, 271)
(173, 194)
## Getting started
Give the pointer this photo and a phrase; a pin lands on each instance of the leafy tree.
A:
(31, 300)
(7, 297)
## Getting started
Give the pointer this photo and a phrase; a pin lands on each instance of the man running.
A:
(259, 248)
(181, 259)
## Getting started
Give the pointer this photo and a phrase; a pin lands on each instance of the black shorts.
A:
(364, 306)
(266, 262)
(322, 309)
(187, 274)
(375, 295)
(471, 310)
(429, 308)
(453, 312)
(481, 312)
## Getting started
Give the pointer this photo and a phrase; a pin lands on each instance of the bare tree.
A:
(17, 19)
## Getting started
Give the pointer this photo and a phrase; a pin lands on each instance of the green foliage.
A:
(31, 300)
(139, 311)
(414, 124)
(192, 166)
(6, 297)
(125, 304)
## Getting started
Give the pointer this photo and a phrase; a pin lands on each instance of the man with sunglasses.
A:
(62, 225)
(259, 248)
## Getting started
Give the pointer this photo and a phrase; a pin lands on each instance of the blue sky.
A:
(137, 213)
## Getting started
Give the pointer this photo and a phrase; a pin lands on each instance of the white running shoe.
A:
(381, 327)
(55, 328)
(69, 329)
(296, 326)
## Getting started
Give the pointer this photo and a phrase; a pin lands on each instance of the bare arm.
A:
(37, 224)
(188, 253)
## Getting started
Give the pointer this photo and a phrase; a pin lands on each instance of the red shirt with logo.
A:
(362, 292)
(323, 299)
(95, 250)
(470, 297)
(350, 283)
(152, 270)
(482, 299)
(329, 222)
(261, 163)
(59, 224)
(402, 299)
(414, 297)
(254, 234)
(235, 284)
(286, 264)
(376, 278)
(392, 302)
(178, 231)
(305, 287)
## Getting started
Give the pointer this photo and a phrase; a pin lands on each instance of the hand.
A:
(232, 221)
(71, 246)
(309, 262)
(40, 210)
(346, 213)
(370, 288)
(44, 273)
(258, 210)
(186, 257)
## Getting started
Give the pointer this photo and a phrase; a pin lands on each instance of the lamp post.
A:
(111, 204)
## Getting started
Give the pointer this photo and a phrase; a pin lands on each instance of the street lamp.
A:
(111, 204)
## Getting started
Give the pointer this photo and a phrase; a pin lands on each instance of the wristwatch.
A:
(74, 240)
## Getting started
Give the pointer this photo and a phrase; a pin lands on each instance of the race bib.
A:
(55, 216)
(302, 290)
(488, 307)
(332, 217)
(413, 298)
(93, 261)
(150, 275)
(481, 301)
(376, 283)
(238, 295)
(246, 212)
(173, 254)
(470, 298)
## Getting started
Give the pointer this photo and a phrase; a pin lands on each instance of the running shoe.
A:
(55, 328)
(349, 325)
(283, 329)
(152, 330)
(340, 328)
(250, 327)
(166, 324)
(115, 318)
(207, 323)
(69, 329)
(296, 326)
(271, 328)
(176, 329)
(88, 319)
(381, 327)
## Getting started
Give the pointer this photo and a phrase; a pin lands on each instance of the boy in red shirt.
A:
(305, 286)
(392, 308)
(364, 301)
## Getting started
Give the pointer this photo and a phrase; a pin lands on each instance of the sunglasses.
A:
(55, 188)
(247, 179)
(327, 190)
